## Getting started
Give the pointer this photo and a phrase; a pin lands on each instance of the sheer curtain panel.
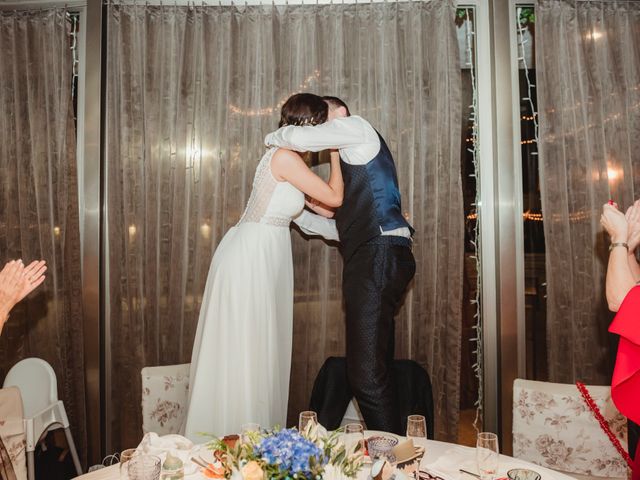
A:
(588, 76)
(191, 93)
(39, 199)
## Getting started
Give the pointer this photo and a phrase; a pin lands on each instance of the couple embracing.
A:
(241, 357)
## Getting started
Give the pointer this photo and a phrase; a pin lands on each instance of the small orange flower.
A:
(213, 472)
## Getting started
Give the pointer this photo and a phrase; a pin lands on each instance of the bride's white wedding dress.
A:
(241, 356)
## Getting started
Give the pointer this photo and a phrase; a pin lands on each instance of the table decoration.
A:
(288, 454)
(172, 468)
(407, 457)
(177, 445)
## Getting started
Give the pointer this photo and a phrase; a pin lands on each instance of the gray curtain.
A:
(191, 93)
(588, 78)
(39, 199)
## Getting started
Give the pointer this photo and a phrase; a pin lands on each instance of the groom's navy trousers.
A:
(375, 278)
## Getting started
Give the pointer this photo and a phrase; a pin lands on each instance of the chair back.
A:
(165, 394)
(12, 431)
(332, 398)
(37, 383)
(553, 427)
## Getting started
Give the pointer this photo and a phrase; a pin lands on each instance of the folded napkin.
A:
(179, 446)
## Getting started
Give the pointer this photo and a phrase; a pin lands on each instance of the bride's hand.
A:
(318, 208)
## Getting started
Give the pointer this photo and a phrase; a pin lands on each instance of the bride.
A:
(241, 356)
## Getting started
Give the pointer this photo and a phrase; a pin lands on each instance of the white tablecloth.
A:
(443, 459)
(446, 460)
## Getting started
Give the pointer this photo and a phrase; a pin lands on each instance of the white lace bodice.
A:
(271, 202)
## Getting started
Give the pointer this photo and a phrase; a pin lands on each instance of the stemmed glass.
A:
(487, 455)
(354, 439)
(306, 418)
(416, 426)
(125, 456)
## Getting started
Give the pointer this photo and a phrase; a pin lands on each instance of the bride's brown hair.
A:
(304, 109)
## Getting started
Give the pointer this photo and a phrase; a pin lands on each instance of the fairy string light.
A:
(310, 80)
(74, 20)
(475, 241)
(522, 58)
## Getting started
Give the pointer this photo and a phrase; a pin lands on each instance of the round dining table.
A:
(441, 460)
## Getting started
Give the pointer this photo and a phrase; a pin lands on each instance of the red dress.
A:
(625, 384)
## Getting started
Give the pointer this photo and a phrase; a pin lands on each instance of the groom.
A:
(375, 242)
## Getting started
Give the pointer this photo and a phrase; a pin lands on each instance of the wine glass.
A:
(144, 467)
(305, 419)
(247, 430)
(354, 439)
(125, 456)
(487, 455)
(416, 426)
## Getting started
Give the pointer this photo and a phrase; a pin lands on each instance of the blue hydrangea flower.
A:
(290, 451)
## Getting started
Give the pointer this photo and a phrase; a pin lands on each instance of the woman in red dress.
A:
(623, 296)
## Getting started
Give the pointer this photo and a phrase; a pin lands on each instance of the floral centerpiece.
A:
(288, 454)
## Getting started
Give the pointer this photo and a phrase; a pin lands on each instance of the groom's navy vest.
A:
(371, 202)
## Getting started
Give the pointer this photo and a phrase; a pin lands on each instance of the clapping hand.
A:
(614, 222)
(17, 281)
(34, 274)
(633, 221)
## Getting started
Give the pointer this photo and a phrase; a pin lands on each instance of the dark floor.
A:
(466, 431)
(53, 459)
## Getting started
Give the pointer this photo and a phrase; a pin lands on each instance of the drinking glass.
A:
(487, 455)
(144, 467)
(416, 426)
(354, 439)
(125, 456)
(305, 419)
(247, 429)
(522, 474)
(381, 447)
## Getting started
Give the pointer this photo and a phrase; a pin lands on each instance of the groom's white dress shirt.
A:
(358, 143)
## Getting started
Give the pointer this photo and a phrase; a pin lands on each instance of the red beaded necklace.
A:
(603, 423)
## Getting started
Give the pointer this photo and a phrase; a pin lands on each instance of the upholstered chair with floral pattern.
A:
(165, 392)
(553, 427)
(12, 433)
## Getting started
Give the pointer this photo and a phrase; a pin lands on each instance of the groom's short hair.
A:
(335, 102)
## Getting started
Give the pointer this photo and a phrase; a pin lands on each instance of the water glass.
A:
(125, 456)
(416, 426)
(247, 429)
(382, 447)
(354, 439)
(487, 455)
(307, 418)
(144, 467)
